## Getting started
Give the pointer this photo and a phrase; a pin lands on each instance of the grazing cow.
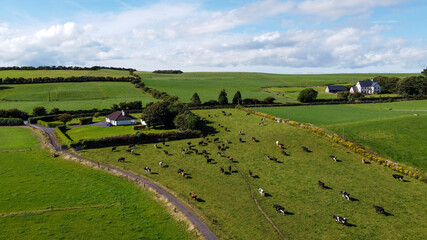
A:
(247, 114)
(225, 129)
(284, 153)
(121, 159)
(280, 145)
(305, 149)
(161, 164)
(221, 170)
(131, 145)
(132, 152)
(230, 158)
(208, 160)
(229, 169)
(113, 149)
(193, 196)
(261, 123)
(397, 176)
(240, 132)
(204, 152)
(261, 191)
(183, 174)
(147, 170)
(253, 139)
(268, 157)
(274, 159)
(180, 170)
(340, 220)
(216, 139)
(345, 195)
(183, 151)
(279, 209)
(128, 150)
(250, 173)
(321, 184)
(219, 154)
(226, 141)
(379, 209)
(188, 143)
(333, 158)
(277, 143)
(230, 114)
(262, 119)
(363, 160)
(240, 140)
(201, 143)
(166, 152)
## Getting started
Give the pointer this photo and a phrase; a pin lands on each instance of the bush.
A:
(86, 120)
(13, 113)
(11, 122)
(47, 118)
(222, 98)
(187, 120)
(49, 124)
(60, 131)
(39, 111)
(307, 95)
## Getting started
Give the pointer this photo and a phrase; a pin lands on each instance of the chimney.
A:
(123, 112)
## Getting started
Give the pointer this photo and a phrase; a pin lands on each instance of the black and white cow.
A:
(398, 177)
(379, 209)
(261, 191)
(345, 195)
(161, 164)
(333, 158)
(279, 209)
(147, 170)
(340, 220)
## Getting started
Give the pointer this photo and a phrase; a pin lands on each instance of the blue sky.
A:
(279, 36)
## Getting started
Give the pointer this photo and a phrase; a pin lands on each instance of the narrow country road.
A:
(197, 222)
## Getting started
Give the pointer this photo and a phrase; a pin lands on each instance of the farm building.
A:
(335, 89)
(366, 87)
(120, 118)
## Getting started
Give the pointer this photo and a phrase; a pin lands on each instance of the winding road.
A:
(195, 221)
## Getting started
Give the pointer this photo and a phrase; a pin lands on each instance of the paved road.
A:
(197, 222)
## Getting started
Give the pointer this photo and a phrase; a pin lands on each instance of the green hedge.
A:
(11, 122)
(86, 120)
(47, 118)
(60, 131)
(49, 124)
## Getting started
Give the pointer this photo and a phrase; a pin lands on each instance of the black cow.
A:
(121, 159)
(180, 170)
(253, 139)
(279, 209)
(397, 176)
(166, 152)
(240, 140)
(250, 173)
(340, 220)
(219, 154)
(305, 149)
(216, 139)
(113, 149)
(321, 184)
(131, 145)
(345, 195)
(196, 151)
(229, 169)
(379, 209)
(222, 170)
(284, 153)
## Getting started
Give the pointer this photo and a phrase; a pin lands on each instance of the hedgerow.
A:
(11, 122)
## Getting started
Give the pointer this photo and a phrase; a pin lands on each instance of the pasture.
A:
(208, 85)
(17, 139)
(390, 129)
(225, 200)
(70, 96)
(62, 73)
(48, 198)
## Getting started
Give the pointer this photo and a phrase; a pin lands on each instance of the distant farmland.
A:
(209, 84)
(62, 73)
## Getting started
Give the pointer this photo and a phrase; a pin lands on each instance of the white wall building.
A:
(119, 118)
(366, 87)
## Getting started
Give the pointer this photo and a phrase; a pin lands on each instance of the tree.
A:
(39, 111)
(158, 114)
(186, 120)
(307, 95)
(269, 100)
(123, 105)
(424, 72)
(408, 86)
(195, 100)
(356, 95)
(237, 99)
(222, 98)
(343, 95)
(65, 117)
(54, 111)
(115, 107)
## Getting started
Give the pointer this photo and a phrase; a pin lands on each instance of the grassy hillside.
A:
(62, 73)
(70, 96)
(226, 203)
(90, 204)
(390, 129)
(208, 84)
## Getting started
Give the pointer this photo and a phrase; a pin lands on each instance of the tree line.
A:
(168, 71)
(409, 86)
(22, 80)
(94, 68)
(223, 100)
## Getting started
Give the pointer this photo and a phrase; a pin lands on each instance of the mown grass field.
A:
(62, 73)
(226, 203)
(70, 96)
(95, 132)
(208, 85)
(90, 204)
(390, 129)
(17, 138)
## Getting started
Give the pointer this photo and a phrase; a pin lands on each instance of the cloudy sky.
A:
(279, 36)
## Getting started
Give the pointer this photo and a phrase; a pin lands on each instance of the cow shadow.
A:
(349, 225)
(289, 213)
(243, 141)
(3, 87)
(255, 176)
(278, 161)
(234, 171)
(267, 195)
(354, 199)
(387, 214)
(136, 154)
(404, 180)
(227, 173)
(154, 173)
(200, 200)
(165, 166)
(188, 177)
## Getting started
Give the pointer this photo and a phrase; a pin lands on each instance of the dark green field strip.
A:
(226, 200)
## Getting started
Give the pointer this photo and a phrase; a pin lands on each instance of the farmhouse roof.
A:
(367, 83)
(119, 116)
(336, 88)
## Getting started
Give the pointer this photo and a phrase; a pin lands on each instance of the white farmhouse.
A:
(366, 87)
(119, 118)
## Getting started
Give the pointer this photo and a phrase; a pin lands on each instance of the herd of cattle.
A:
(224, 145)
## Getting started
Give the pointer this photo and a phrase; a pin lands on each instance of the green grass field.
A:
(395, 133)
(90, 204)
(17, 138)
(226, 203)
(70, 96)
(208, 85)
(95, 132)
(62, 73)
